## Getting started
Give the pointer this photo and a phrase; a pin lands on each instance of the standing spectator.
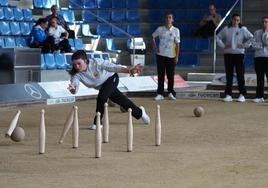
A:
(167, 54)
(60, 36)
(61, 20)
(209, 23)
(260, 43)
(232, 39)
(39, 37)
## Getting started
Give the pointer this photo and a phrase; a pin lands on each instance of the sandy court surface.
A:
(227, 147)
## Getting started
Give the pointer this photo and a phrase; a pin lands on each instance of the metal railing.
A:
(217, 28)
(114, 26)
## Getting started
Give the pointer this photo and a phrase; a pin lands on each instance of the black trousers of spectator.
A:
(110, 91)
(236, 61)
(165, 65)
(71, 33)
(206, 30)
(64, 46)
(261, 68)
(46, 46)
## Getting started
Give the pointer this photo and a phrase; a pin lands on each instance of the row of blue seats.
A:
(15, 28)
(92, 4)
(13, 42)
(15, 13)
(114, 15)
(44, 4)
(194, 44)
(182, 4)
(52, 61)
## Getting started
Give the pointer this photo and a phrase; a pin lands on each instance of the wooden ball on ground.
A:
(122, 109)
(18, 134)
(199, 111)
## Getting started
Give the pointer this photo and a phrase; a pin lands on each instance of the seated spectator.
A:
(209, 23)
(60, 36)
(39, 37)
(61, 21)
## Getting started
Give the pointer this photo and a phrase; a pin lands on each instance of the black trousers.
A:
(261, 68)
(46, 46)
(71, 33)
(165, 65)
(64, 46)
(206, 30)
(110, 91)
(236, 61)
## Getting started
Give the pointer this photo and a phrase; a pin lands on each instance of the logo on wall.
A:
(32, 91)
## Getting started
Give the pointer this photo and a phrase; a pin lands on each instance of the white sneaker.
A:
(145, 118)
(241, 98)
(159, 97)
(228, 98)
(171, 96)
(258, 100)
(93, 126)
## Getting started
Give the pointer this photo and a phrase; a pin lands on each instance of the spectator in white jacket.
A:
(260, 44)
(232, 39)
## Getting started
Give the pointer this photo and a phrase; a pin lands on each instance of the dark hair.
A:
(169, 14)
(40, 21)
(231, 24)
(79, 54)
(264, 17)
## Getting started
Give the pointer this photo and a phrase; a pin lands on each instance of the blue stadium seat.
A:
(157, 16)
(8, 12)
(203, 45)
(78, 44)
(18, 14)
(2, 16)
(132, 4)
(68, 58)
(87, 33)
(118, 16)
(48, 3)
(87, 17)
(43, 64)
(104, 14)
(10, 42)
(105, 56)
(21, 42)
(2, 43)
(249, 60)
(118, 33)
(189, 60)
(188, 44)
(180, 15)
(134, 29)
(133, 16)
(104, 30)
(90, 4)
(15, 28)
(60, 61)
(38, 3)
(68, 15)
(49, 61)
(76, 4)
(98, 55)
(104, 3)
(4, 3)
(118, 4)
(25, 28)
(110, 46)
(4, 28)
(90, 55)
(71, 42)
(28, 15)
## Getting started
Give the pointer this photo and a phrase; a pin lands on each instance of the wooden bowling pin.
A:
(13, 124)
(42, 133)
(130, 131)
(75, 128)
(67, 125)
(98, 137)
(106, 124)
(158, 127)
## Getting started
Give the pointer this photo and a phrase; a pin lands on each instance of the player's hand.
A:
(136, 70)
(72, 88)
(176, 60)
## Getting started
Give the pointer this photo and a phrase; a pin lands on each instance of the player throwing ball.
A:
(102, 75)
